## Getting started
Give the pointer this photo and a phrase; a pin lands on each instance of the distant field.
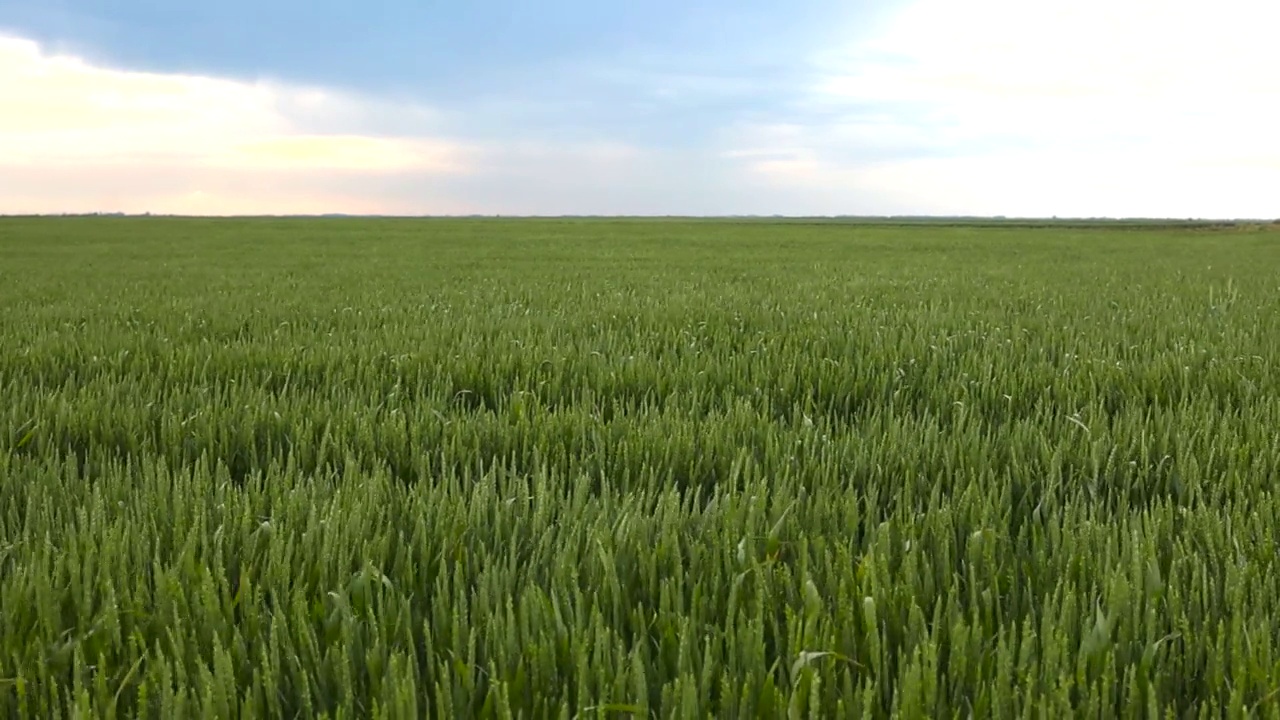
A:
(587, 468)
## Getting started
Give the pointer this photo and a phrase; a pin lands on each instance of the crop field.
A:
(606, 469)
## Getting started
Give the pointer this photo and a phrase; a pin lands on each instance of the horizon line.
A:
(644, 216)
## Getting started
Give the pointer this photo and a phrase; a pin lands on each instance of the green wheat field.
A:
(351, 468)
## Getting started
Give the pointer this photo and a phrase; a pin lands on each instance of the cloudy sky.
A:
(1118, 108)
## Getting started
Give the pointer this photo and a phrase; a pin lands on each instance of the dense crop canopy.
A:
(393, 468)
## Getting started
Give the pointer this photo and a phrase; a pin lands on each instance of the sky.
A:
(1089, 108)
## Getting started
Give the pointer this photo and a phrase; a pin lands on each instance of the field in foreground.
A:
(534, 469)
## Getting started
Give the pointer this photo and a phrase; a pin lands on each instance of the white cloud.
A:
(75, 137)
(1098, 107)
(1095, 107)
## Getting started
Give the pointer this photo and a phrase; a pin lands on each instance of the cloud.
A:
(76, 137)
(1005, 107)
(991, 107)
(86, 138)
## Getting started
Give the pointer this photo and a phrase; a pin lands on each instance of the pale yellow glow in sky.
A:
(211, 140)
